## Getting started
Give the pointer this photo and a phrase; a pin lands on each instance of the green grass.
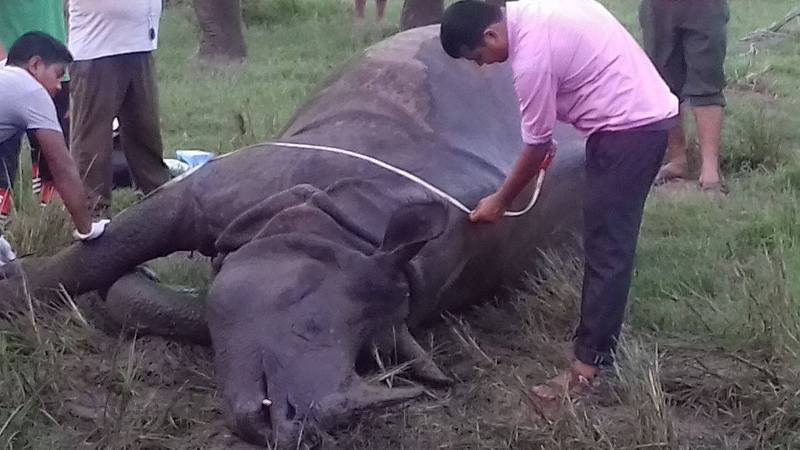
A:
(224, 110)
(712, 343)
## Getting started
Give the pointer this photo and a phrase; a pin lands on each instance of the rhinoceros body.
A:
(319, 255)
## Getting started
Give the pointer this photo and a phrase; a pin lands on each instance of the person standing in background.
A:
(687, 42)
(380, 9)
(16, 19)
(114, 75)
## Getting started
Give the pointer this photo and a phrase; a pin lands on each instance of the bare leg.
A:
(360, 6)
(677, 164)
(380, 6)
(709, 129)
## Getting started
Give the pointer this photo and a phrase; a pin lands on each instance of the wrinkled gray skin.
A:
(321, 255)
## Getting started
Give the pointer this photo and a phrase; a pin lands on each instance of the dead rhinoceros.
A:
(319, 254)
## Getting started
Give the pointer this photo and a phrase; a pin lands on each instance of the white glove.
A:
(97, 230)
(6, 252)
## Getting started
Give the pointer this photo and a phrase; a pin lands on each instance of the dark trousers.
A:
(620, 169)
(687, 41)
(9, 161)
(122, 86)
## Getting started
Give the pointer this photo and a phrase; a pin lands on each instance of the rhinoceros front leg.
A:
(136, 302)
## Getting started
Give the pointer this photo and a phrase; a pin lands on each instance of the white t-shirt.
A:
(99, 28)
(26, 105)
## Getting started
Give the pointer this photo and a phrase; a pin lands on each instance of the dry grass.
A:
(67, 385)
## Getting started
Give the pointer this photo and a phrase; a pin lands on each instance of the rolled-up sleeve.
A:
(536, 91)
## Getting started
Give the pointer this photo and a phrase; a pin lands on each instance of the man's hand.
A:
(490, 209)
(6, 252)
(95, 232)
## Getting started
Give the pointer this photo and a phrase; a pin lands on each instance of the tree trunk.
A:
(222, 41)
(418, 13)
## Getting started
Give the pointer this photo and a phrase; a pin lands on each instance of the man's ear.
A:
(410, 228)
(491, 34)
(34, 63)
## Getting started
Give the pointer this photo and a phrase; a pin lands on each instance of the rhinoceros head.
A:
(291, 310)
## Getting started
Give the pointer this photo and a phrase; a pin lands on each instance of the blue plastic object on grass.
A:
(194, 158)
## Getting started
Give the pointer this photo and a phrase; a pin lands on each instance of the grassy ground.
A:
(712, 342)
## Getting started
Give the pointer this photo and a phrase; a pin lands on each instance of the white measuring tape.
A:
(410, 176)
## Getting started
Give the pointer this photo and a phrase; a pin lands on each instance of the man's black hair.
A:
(463, 24)
(36, 43)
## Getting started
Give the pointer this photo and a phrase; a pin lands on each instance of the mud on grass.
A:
(64, 384)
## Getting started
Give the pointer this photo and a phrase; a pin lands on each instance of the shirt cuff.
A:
(536, 140)
(43, 126)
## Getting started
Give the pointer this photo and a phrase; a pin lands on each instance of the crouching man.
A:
(32, 75)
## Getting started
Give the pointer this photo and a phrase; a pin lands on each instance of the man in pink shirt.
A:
(573, 61)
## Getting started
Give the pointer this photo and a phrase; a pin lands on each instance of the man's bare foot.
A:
(672, 171)
(572, 383)
(709, 177)
(715, 190)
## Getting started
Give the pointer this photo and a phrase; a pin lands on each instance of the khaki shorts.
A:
(687, 42)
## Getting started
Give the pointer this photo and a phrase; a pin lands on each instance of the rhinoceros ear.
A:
(411, 227)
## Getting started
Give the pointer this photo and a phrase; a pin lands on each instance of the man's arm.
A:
(491, 208)
(526, 167)
(536, 91)
(65, 177)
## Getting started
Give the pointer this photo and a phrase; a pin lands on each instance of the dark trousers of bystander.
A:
(122, 86)
(9, 162)
(620, 169)
(687, 42)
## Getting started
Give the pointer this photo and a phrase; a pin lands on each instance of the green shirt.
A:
(18, 17)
